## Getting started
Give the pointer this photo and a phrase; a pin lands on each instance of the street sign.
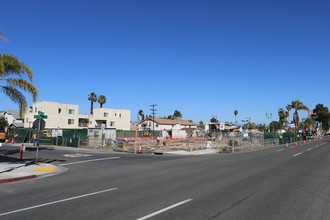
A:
(36, 124)
(222, 126)
(40, 115)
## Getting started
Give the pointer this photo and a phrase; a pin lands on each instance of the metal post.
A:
(188, 142)
(135, 140)
(234, 141)
(57, 137)
(38, 140)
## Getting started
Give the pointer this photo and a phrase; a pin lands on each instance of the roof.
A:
(171, 121)
(14, 113)
(189, 129)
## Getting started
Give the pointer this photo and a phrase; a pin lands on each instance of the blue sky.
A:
(203, 58)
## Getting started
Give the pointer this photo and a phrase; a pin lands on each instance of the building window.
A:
(70, 121)
(35, 110)
(71, 111)
(27, 120)
(90, 122)
(149, 124)
(115, 114)
(59, 110)
(112, 123)
(106, 114)
(157, 125)
(119, 115)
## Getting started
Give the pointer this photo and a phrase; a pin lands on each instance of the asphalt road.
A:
(275, 183)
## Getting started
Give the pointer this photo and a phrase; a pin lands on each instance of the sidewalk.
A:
(11, 172)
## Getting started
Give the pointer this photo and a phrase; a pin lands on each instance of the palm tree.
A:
(177, 114)
(140, 113)
(93, 98)
(11, 66)
(297, 105)
(235, 113)
(102, 99)
(282, 115)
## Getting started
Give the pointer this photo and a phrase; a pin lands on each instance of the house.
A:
(67, 116)
(160, 124)
(215, 127)
(13, 118)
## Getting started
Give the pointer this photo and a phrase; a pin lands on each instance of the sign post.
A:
(41, 125)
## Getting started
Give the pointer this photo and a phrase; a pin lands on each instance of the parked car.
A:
(310, 137)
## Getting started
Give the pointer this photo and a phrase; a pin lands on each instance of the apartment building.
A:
(67, 116)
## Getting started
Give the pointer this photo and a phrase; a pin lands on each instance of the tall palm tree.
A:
(140, 113)
(93, 98)
(297, 105)
(12, 71)
(235, 113)
(101, 99)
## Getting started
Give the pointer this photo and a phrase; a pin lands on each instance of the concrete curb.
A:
(12, 173)
(17, 179)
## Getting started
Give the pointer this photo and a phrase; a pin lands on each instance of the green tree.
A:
(3, 124)
(177, 114)
(322, 115)
(251, 125)
(101, 100)
(92, 98)
(262, 127)
(297, 105)
(308, 123)
(282, 115)
(12, 73)
(235, 113)
(274, 125)
(201, 124)
(214, 120)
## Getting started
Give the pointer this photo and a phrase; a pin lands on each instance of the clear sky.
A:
(202, 57)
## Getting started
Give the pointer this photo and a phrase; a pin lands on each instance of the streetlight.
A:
(268, 117)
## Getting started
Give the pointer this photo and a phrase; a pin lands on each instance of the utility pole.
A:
(153, 118)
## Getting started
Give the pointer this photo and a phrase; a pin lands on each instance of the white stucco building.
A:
(160, 124)
(67, 116)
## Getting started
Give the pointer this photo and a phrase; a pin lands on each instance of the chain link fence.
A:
(146, 141)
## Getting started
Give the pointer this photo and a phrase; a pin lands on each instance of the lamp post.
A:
(268, 117)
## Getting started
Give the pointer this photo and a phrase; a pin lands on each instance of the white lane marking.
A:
(86, 161)
(309, 149)
(297, 154)
(58, 201)
(279, 150)
(77, 155)
(317, 145)
(164, 210)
